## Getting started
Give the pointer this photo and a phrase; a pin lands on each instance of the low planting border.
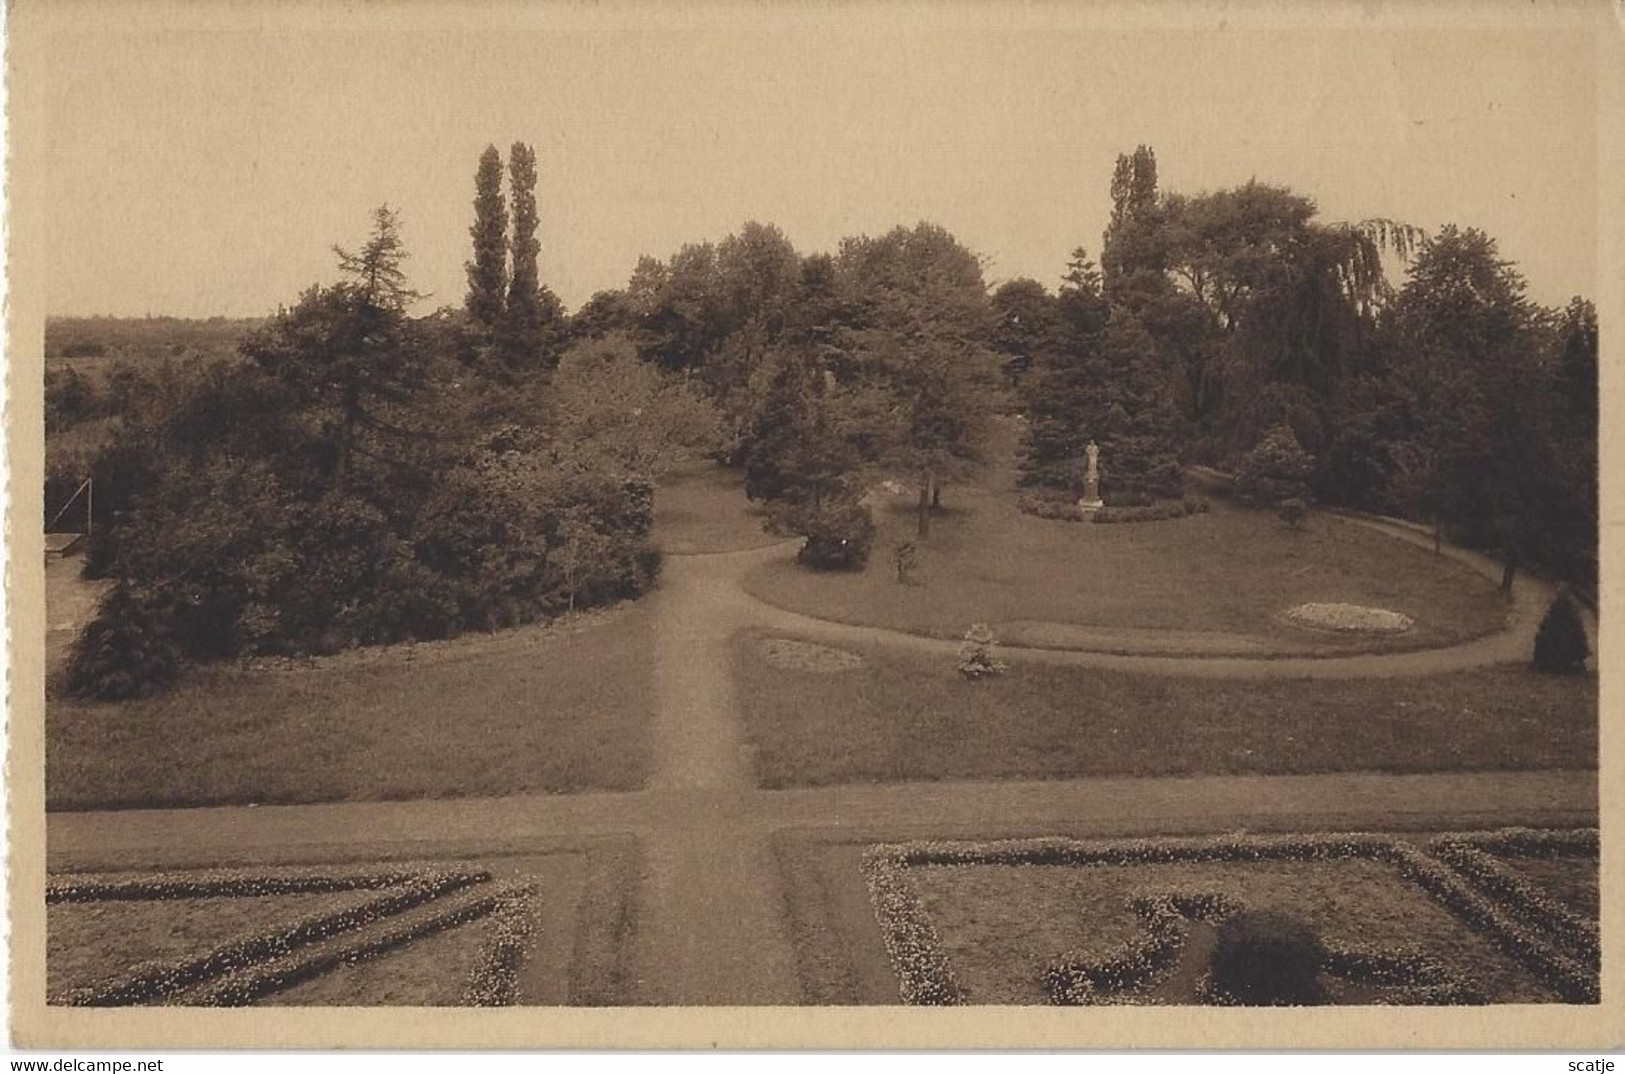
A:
(1523, 899)
(158, 978)
(250, 982)
(494, 981)
(217, 883)
(927, 978)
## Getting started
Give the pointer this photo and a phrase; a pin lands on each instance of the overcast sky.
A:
(209, 170)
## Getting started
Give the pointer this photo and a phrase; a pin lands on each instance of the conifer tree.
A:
(1068, 389)
(488, 271)
(1138, 455)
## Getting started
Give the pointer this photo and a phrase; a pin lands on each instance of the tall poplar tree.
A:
(488, 271)
(524, 322)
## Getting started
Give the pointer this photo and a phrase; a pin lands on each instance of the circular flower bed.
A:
(1349, 619)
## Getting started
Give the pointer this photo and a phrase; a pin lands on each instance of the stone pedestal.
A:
(1090, 503)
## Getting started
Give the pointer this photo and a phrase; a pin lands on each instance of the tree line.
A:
(357, 474)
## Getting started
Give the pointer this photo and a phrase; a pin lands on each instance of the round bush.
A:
(1268, 958)
(1560, 644)
(838, 535)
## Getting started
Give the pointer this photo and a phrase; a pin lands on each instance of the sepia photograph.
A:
(620, 513)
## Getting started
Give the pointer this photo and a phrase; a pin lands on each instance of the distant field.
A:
(82, 340)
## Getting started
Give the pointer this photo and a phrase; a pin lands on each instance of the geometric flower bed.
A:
(1068, 921)
(285, 927)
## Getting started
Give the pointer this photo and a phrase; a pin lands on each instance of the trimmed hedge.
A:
(924, 976)
(1160, 512)
(250, 982)
(223, 883)
(494, 981)
(912, 940)
(1524, 900)
(1056, 510)
(164, 977)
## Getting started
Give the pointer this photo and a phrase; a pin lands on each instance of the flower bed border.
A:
(924, 977)
(494, 981)
(1524, 900)
(216, 883)
(158, 978)
(248, 983)
(927, 978)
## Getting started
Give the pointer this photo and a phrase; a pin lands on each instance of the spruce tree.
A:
(1067, 388)
(1138, 454)
(1561, 647)
(488, 271)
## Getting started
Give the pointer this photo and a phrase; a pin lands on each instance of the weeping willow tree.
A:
(1274, 308)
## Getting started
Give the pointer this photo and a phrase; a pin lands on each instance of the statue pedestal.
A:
(1090, 502)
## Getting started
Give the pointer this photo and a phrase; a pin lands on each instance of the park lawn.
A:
(1231, 571)
(700, 508)
(911, 717)
(541, 709)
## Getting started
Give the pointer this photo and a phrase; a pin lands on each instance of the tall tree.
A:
(1129, 249)
(532, 310)
(1066, 392)
(488, 271)
(347, 352)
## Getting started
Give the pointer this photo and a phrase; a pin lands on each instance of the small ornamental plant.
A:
(1267, 958)
(1275, 471)
(1560, 644)
(976, 660)
(906, 558)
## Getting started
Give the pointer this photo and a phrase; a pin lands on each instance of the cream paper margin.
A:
(36, 1026)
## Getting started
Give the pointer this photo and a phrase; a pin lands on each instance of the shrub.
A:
(1275, 471)
(1190, 505)
(976, 660)
(127, 651)
(1129, 497)
(838, 534)
(1267, 958)
(905, 557)
(1560, 644)
(1293, 511)
(1051, 508)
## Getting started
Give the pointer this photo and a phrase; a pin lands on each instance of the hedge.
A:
(494, 981)
(250, 982)
(926, 977)
(158, 978)
(1524, 900)
(223, 883)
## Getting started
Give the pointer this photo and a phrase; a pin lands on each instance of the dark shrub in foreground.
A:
(839, 533)
(126, 651)
(1560, 645)
(1267, 958)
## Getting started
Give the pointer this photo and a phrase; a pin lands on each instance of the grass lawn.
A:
(1000, 925)
(553, 708)
(910, 717)
(701, 507)
(1231, 571)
